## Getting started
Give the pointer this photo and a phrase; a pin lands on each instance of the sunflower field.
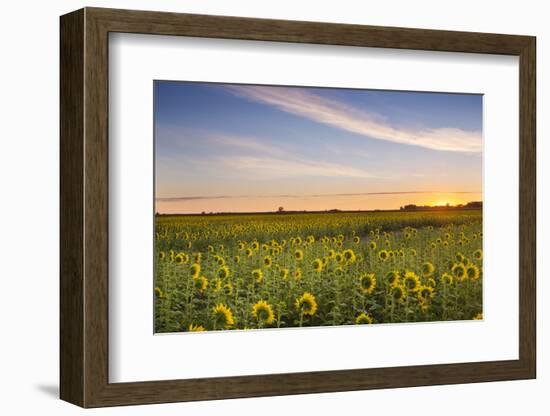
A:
(226, 272)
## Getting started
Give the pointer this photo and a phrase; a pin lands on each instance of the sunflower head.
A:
(283, 273)
(398, 293)
(356, 240)
(298, 274)
(472, 271)
(349, 255)
(222, 315)
(257, 275)
(162, 255)
(427, 269)
(478, 317)
(392, 278)
(411, 281)
(339, 257)
(425, 293)
(306, 304)
(236, 259)
(413, 252)
(221, 261)
(317, 265)
(372, 245)
(383, 255)
(364, 318)
(447, 278)
(195, 269)
(158, 292)
(263, 312)
(223, 272)
(367, 283)
(241, 246)
(181, 258)
(459, 271)
(201, 283)
(478, 255)
(197, 257)
(196, 328)
(249, 252)
(267, 261)
(228, 289)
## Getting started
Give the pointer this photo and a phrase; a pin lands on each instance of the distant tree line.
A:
(469, 205)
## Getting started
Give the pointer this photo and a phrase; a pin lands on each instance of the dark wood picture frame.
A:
(84, 207)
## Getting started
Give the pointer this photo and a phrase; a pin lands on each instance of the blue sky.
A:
(233, 147)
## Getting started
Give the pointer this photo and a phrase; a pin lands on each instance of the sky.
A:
(254, 148)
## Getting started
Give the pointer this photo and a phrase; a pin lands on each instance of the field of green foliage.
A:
(217, 272)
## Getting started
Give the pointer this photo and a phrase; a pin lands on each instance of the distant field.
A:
(314, 269)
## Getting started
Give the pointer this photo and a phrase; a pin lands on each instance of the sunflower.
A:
(306, 304)
(283, 273)
(459, 271)
(317, 265)
(223, 272)
(413, 252)
(255, 245)
(383, 255)
(257, 275)
(331, 253)
(210, 249)
(181, 258)
(447, 278)
(267, 261)
(425, 294)
(299, 255)
(372, 245)
(195, 269)
(398, 293)
(158, 292)
(249, 252)
(237, 259)
(228, 289)
(201, 283)
(393, 278)
(196, 328)
(263, 313)
(220, 260)
(349, 255)
(298, 274)
(339, 257)
(427, 269)
(459, 257)
(472, 271)
(241, 246)
(363, 318)
(162, 255)
(367, 283)
(223, 317)
(430, 282)
(478, 254)
(411, 281)
(478, 317)
(356, 240)
(197, 257)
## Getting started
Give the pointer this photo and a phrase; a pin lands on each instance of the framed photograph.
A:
(255, 207)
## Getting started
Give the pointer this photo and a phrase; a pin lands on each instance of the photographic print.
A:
(288, 206)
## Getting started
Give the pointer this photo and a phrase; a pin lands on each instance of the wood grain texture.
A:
(71, 100)
(84, 207)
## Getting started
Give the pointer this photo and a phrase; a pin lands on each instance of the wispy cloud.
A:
(346, 117)
(251, 144)
(193, 198)
(276, 167)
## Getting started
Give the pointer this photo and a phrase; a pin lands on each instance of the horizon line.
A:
(204, 197)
